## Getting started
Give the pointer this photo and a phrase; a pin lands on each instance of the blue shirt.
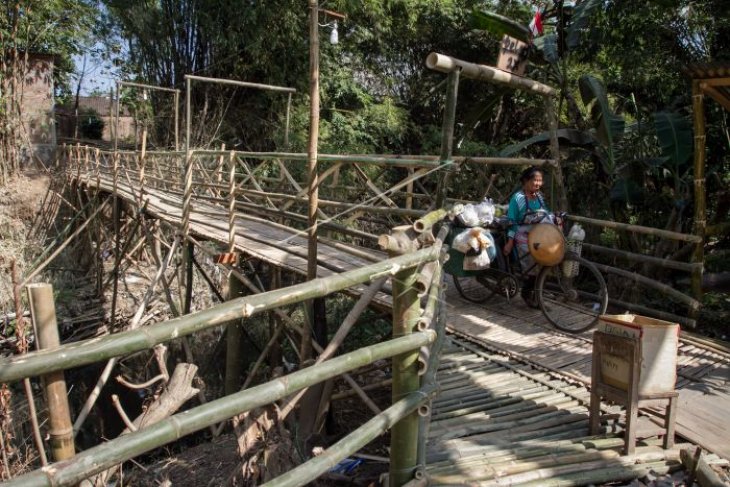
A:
(518, 205)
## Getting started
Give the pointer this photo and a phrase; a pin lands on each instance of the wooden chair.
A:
(623, 350)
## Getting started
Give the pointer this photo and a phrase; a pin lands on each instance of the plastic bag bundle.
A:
(485, 212)
(477, 262)
(473, 240)
(468, 216)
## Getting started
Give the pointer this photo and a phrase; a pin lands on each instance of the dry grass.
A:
(20, 202)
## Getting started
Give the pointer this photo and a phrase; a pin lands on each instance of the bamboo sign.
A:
(512, 55)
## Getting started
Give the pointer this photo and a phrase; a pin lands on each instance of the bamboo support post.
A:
(406, 312)
(40, 298)
(447, 134)
(234, 341)
(99, 458)
(700, 206)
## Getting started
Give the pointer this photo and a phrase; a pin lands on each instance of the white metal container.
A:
(658, 362)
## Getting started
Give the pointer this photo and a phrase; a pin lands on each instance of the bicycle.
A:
(571, 295)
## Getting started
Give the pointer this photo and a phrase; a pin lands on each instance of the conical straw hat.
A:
(546, 244)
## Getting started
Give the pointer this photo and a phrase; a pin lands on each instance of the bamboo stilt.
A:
(700, 206)
(40, 297)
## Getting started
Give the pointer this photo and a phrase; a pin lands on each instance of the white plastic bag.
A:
(469, 216)
(461, 242)
(477, 262)
(485, 212)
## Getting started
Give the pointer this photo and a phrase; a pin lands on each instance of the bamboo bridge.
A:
(486, 394)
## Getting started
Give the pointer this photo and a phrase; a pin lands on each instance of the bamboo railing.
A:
(355, 203)
(648, 263)
(403, 269)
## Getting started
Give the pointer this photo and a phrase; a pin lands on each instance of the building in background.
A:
(93, 121)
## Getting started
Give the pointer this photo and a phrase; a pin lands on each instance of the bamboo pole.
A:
(339, 337)
(448, 64)
(406, 312)
(657, 232)
(93, 350)
(112, 362)
(447, 134)
(40, 298)
(427, 221)
(353, 442)
(700, 210)
(175, 427)
(234, 342)
(642, 258)
(552, 120)
(693, 304)
(23, 348)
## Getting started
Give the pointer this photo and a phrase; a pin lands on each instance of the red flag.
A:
(536, 24)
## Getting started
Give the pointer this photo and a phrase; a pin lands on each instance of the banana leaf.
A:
(570, 137)
(499, 25)
(674, 132)
(609, 126)
(548, 45)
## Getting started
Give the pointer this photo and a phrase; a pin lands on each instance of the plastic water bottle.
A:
(576, 235)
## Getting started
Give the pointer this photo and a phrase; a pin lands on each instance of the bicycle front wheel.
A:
(572, 295)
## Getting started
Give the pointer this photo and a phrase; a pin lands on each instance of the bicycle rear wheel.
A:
(480, 288)
(572, 301)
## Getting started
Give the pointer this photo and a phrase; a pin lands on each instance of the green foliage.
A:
(609, 126)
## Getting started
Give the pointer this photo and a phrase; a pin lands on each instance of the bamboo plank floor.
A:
(501, 421)
(521, 332)
(255, 237)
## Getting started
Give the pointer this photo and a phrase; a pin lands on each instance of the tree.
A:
(54, 27)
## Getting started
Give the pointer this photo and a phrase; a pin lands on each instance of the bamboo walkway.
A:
(510, 329)
(516, 331)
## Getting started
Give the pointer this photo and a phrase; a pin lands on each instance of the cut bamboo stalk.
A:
(43, 312)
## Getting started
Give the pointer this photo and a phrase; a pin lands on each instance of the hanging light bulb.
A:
(334, 36)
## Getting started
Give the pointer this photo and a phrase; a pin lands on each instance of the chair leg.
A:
(669, 420)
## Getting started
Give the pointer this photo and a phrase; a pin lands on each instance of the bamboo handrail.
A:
(353, 442)
(636, 228)
(663, 288)
(104, 456)
(96, 349)
(644, 259)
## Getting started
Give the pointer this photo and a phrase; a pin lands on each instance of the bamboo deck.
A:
(501, 421)
(523, 333)
(511, 329)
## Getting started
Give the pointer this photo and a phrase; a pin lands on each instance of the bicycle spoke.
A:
(572, 304)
